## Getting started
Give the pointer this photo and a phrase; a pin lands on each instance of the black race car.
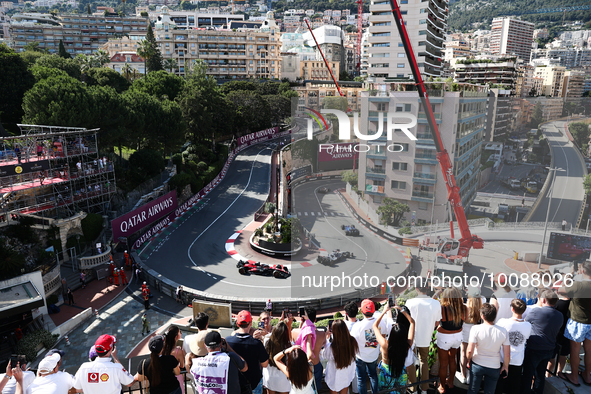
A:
(324, 190)
(248, 268)
(350, 230)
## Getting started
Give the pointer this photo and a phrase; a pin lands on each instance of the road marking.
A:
(299, 214)
(312, 213)
(319, 213)
(306, 213)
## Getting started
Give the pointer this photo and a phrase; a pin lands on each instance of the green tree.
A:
(60, 101)
(88, 10)
(344, 76)
(147, 161)
(170, 64)
(106, 77)
(160, 84)
(15, 80)
(580, 133)
(62, 51)
(102, 57)
(537, 116)
(233, 86)
(587, 184)
(286, 90)
(32, 47)
(186, 5)
(279, 106)
(149, 50)
(40, 72)
(127, 71)
(350, 177)
(70, 66)
(391, 211)
(253, 112)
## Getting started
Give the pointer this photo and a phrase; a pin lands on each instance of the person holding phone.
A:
(484, 352)
(340, 353)
(8, 382)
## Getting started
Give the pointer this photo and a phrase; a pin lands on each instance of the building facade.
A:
(426, 23)
(312, 93)
(566, 57)
(81, 34)
(493, 71)
(511, 36)
(413, 175)
(548, 81)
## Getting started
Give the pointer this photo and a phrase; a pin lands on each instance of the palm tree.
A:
(126, 71)
(146, 51)
(123, 1)
(102, 58)
(170, 64)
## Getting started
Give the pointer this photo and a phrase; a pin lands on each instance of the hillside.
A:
(464, 13)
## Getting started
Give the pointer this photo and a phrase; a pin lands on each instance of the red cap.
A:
(367, 306)
(243, 317)
(502, 279)
(104, 344)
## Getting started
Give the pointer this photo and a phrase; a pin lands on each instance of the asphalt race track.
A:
(567, 194)
(194, 253)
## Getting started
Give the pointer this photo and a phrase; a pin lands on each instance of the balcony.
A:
(421, 177)
(422, 158)
(423, 195)
(375, 173)
(376, 155)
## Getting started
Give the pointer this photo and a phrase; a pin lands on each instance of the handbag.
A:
(145, 383)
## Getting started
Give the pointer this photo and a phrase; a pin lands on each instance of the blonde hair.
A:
(474, 304)
(451, 298)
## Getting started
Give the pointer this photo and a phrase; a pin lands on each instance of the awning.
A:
(19, 298)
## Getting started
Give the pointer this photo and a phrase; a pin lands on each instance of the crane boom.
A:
(359, 33)
(468, 240)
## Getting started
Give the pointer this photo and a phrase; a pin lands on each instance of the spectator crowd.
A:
(504, 344)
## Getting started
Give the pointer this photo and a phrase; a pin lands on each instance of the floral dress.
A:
(386, 381)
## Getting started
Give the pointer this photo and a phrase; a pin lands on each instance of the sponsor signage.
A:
(298, 173)
(139, 218)
(259, 136)
(24, 168)
(337, 152)
(569, 247)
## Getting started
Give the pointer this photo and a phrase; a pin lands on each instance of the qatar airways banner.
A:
(332, 152)
(259, 136)
(126, 225)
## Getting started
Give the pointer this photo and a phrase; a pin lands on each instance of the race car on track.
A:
(350, 230)
(252, 268)
(335, 257)
(324, 190)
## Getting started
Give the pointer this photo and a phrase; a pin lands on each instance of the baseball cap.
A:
(213, 339)
(243, 317)
(473, 292)
(367, 306)
(55, 351)
(156, 344)
(104, 344)
(49, 363)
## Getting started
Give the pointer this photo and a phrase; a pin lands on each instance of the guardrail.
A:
(90, 262)
(52, 280)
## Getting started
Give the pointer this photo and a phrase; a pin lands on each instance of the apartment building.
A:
(316, 70)
(511, 37)
(331, 41)
(81, 34)
(191, 19)
(573, 85)
(426, 23)
(229, 54)
(312, 93)
(500, 115)
(548, 81)
(413, 176)
(566, 57)
(524, 82)
(491, 70)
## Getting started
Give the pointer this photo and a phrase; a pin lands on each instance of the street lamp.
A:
(551, 172)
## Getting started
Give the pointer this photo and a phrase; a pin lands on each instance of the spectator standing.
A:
(196, 343)
(501, 299)
(269, 306)
(160, 369)
(340, 352)
(311, 342)
(83, 279)
(449, 335)
(146, 296)
(173, 335)
(564, 223)
(367, 359)
(70, 297)
(145, 324)
(49, 379)
(351, 311)
(430, 312)
(545, 325)
(8, 381)
(486, 343)
(138, 272)
(473, 305)
(518, 331)
(219, 362)
(252, 351)
(18, 153)
(578, 328)
(264, 327)
(298, 370)
(562, 306)
(274, 380)
(64, 290)
(395, 351)
(102, 376)
(179, 294)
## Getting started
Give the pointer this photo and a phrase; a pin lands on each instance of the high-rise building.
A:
(409, 172)
(551, 79)
(81, 34)
(511, 37)
(426, 23)
(492, 70)
(573, 85)
(567, 57)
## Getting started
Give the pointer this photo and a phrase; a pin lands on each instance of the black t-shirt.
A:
(168, 380)
(562, 306)
(253, 352)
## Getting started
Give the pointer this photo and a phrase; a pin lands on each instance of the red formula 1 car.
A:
(252, 268)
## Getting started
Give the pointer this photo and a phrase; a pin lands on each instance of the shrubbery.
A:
(29, 343)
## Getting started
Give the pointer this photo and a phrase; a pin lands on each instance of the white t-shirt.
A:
(518, 332)
(102, 376)
(489, 341)
(504, 299)
(427, 311)
(350, 324)
(362, 331)
(59, 382)
(10, 387)
(186, 342)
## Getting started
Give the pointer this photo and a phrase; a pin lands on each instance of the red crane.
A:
(359, 33)
(468, 240)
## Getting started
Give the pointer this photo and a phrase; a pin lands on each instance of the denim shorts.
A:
(577, 332)
(449, 341)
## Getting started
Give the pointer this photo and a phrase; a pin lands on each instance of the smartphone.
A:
(330, 324)
(262, 325)
(302, 311)
(13, 361)
(391, 300)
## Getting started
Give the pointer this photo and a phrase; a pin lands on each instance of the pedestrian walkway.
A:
(341, 214)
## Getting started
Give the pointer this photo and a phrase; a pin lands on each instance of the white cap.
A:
(49, 363)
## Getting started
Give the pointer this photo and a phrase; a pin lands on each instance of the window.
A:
(400, 45)
(401, 55)
(399, 166)
(422, 43)
(403, 12)
(399, 107)
(423, 11)
(398, 185)
(385, 34)
(400, 65)
(422, 21)
(422, 32)
(403, 1)
(407, 107)
(423, 206)
(399, 75)
(381, 107)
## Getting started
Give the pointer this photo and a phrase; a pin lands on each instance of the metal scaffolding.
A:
(53, 172)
